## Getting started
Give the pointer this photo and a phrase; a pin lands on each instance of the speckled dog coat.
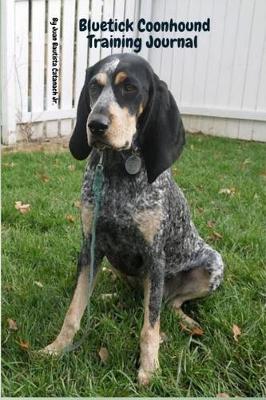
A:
(144, 226)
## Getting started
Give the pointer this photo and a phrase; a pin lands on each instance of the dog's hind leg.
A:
(78, 304)
(190, 285)
(193, 284)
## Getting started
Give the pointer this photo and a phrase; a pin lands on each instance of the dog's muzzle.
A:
(98, 125)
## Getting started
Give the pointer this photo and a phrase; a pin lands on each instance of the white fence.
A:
(220, 87)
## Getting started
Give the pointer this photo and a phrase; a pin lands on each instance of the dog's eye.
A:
(128, 88)
(95, 88)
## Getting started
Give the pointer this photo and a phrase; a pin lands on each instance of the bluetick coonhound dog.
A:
(144, 226)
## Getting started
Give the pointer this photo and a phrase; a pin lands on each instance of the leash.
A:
(97, 188)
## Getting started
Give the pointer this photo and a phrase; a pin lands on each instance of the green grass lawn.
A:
(40, 250)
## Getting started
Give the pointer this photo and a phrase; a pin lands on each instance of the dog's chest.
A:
(129, 219)
(120, 233)
(116, 220)
(119, 237)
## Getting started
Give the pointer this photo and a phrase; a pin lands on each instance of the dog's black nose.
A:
(98, 126)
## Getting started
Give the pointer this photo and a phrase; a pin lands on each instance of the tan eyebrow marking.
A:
(141, 108)
(101, 78)
(120, 77)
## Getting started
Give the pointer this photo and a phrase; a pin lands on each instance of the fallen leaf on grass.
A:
(70, 218)
(77, 204)
(229, 191)
(44, 178)
(37, 283)
(236, 332)
(211, 224)
(103, 354)
(223, 395)
(71, 167)
(216, 236)
(200, 210)
(12, 325)
(24, 345)
(22, 208)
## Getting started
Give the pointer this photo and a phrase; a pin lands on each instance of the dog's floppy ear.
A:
(78, 143)
(162, 133)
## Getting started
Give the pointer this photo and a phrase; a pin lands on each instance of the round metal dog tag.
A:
(133, 164)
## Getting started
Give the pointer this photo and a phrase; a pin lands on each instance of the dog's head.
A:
(122, 100)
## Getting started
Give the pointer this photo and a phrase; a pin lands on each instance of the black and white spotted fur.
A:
(177, 245)
(144, 227)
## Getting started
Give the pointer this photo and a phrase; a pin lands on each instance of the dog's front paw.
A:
(53, 349)
(144, 377)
